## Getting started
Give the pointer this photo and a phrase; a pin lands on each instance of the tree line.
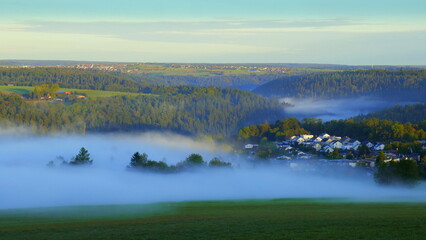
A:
(141, 162)
(364, 130)
(403, 172)
(115, 81)
(414, 113)
(404, 85)
(71, 78)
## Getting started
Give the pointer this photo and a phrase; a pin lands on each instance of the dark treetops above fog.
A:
(404, 85)
(141, 162)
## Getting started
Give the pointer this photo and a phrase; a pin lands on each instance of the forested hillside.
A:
(71, 78)
(414, 113)
(187, 110)
(246, 81)
(115, 81)
(404, 85)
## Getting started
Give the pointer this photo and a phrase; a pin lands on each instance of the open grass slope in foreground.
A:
(274, 219)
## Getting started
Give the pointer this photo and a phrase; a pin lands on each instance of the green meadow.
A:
(266, 219)
(167, 70)
(88, 93)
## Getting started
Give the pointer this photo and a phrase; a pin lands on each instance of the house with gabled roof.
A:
(328, 149)
(307, 136)
(326, 141)
(317, 147)
(298, 140)
(367, 143)
(324, 135)
(354, 142)
(379, 146)
(336, 144)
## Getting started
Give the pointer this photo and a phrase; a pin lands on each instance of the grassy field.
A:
(274, 219)
(88, 93)
(168, 70)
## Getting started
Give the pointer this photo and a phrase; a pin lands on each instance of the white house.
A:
(379, 146)
(328, 149)
(336, 144)
(306, 136)
(299, 140)
(288, 148)
(317, 147)
(308, 143)
(348, 146)
(283, 157)
(324, 135)
(326, 141)
(354, 143)
(249, 146)
(300, 153)
(367, 143)
(317, 139)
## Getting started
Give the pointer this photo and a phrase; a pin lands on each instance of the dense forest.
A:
(403, 85)
(414, 113)
(71, 78)
(187, 110)
(371, 129)
(245, 82)
(114, 81)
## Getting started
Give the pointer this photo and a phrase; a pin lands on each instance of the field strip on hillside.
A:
(89, 93)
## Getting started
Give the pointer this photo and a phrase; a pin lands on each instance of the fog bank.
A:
(334, 109)
(25, 181)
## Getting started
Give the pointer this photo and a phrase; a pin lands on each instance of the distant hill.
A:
(18, 62)
(22, 62)
(415, 113)
(244, 82)
(116, 81)
(403, 85)
(351, 67)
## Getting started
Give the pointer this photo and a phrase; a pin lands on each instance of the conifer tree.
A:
(82, 158)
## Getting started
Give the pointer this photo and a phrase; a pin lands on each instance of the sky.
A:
(354, 32)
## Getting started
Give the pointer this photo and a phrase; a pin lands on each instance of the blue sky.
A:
(304, 31)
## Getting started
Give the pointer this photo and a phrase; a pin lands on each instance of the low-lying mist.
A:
(26, 181)
(334, 109)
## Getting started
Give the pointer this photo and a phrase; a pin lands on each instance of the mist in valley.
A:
(334, 109)
(26, 181)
